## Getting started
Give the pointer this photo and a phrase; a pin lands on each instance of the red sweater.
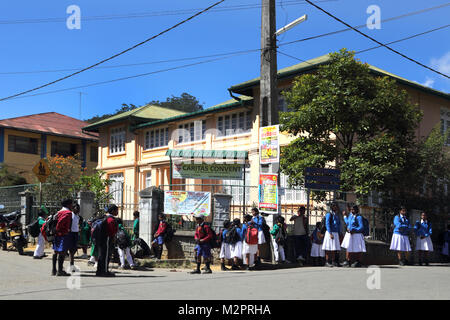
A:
(203, 232)
(161, 228)
(64, 222)
(111, 226)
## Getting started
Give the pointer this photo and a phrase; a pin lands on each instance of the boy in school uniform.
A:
(74, 233)
(249, 246)
(316, 247)
(105, 245)
(225, 247)
(259, 222)
(158, 241)
(63, 240)
(300, 233)
(423, 231)
(400, 238)
(331, 244)
(356, 243)
(203, 236)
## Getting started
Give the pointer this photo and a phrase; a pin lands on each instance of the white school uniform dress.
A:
(236, 250)
(225, 251)
(39, 251)
(346, 240)
(424, 244)
(261, 237)
(317, 251)
(356, 243)
(400, 243)
(331, 244)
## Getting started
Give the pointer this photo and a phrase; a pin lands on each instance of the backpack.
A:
(281, 236)
(49, 227)
(33, 229)
(251, 237)
(140, 249)
(232, 236)
(214, 242)
(366, 228)
(122, 239)
(97, 229)
(168, 234)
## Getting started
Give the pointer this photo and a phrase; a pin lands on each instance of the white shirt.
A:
(299, 228)
(75, 223)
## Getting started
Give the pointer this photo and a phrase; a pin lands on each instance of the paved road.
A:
(21, 277)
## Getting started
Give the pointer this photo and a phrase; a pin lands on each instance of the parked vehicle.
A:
(15, 230)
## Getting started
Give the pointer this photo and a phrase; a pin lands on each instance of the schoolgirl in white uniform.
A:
(225, 247)
(236, 248)
(344, 243)
(316, 247)
(331, 244)
(356, 244)
(400, 238)
(422, 229)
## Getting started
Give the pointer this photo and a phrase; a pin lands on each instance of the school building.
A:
(133, 146)
(25, 140)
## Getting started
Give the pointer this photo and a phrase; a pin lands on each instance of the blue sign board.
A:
(322, 179)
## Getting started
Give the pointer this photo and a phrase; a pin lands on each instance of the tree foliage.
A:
(344, 113)
(8, 178)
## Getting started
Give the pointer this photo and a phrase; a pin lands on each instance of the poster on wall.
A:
(269, 146)
(187, 202)
(228, 171)
(268, 193)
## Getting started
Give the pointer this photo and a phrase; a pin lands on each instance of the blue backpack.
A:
(366, 228)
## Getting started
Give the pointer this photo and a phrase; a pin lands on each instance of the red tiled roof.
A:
(51, 123)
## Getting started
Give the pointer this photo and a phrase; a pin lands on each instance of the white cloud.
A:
(428, 83)
(442, 64)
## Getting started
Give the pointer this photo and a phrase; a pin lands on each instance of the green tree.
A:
(8, 178)
(344, 114)
(185, 103)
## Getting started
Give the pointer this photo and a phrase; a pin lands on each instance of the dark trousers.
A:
(4, 240)
(301, 246)
(105, 250)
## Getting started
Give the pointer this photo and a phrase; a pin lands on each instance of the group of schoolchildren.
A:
(240, 244)
(72, 232)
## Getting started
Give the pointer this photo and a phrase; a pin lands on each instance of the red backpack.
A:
(252, 234)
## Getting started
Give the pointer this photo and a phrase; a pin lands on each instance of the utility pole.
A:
(79, 110)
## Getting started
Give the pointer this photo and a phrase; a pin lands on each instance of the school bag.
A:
(33, 229)
(232, 236)
(122, 239)
(251, 237)
(49, 227)
(214, 242)
(281, 236)
(140, 249)
(168, 234)
(97, 229)
(366, 228)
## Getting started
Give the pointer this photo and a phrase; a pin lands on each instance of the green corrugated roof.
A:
(232, 103)
(303, 67)
(207, 154)
(144, 113)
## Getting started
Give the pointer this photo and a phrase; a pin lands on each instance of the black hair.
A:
(236, 221)
(161, 215)
(226, 224)
(247, 217)
(66, 202)
(76, 205)
(280, 219)
(256, 210)
(402, 208)
(136, 214)
(318, 225)
(356, 208)
(41, 213)
(119, 221)
(302, 208)
(112, 208)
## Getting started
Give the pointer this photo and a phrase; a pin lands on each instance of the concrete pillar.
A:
(26, 204)
(150, 204)
(86, 200)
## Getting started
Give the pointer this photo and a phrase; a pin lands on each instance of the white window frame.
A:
(116, 187)
(192, 131)
(148, 179)
(117, 140)
(291, 195)
(242, 123)
(151, 141)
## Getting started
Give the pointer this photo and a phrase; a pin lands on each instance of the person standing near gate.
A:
(356, 245)
(331, 244)
(203, 236)
(74, 230)
(422, 228)
(400, 238)
(259, 222)
(39, 251)
(300, 234)
(105, 244)
(62, 241)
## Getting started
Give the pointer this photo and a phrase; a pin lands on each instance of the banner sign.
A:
(226, 171)
(187, 202)
(268, 193)
(322, 179)
(269, 146)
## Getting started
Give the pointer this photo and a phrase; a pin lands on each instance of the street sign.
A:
(322, 179)
(41, 170)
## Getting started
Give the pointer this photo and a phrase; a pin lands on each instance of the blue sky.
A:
(51, 45)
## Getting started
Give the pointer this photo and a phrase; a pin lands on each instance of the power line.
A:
(378, 42)
(364, 25)
(132, 76)
(155, 13)
(116, 55)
